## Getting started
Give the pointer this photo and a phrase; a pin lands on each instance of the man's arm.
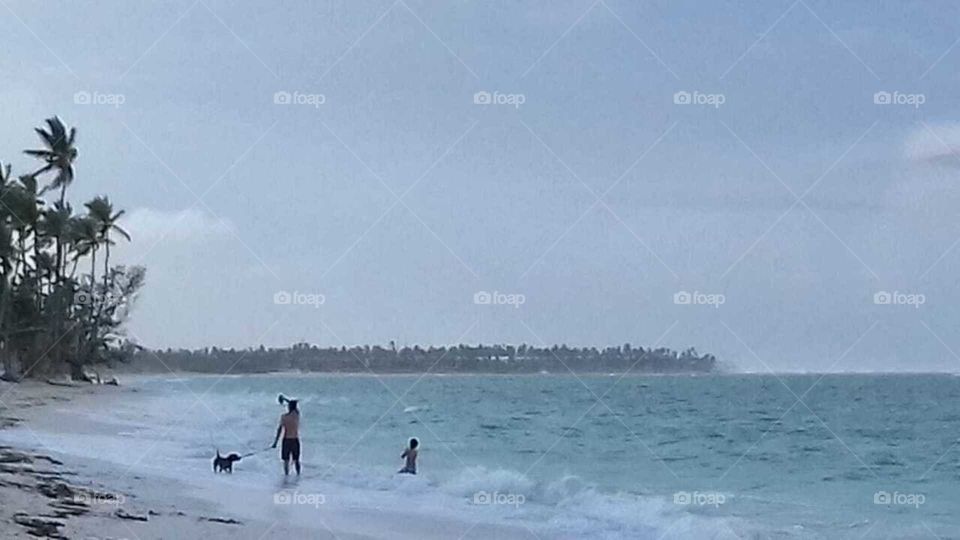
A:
(277, 437)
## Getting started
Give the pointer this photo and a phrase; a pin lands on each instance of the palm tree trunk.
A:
(61, 259)
(38, 290)
(106, 264)
(20, 257)
(95, 330)
(57, 261)
(102, 298)
(11, 369)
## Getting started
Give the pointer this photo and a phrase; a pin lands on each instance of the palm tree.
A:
(20, 200)
(59, 154)
(5, 211)
(55, 224)
(45, 322)
(101, 210)
(8, 256)
(87, 240)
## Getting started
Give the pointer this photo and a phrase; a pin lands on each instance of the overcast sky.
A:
(584, 193)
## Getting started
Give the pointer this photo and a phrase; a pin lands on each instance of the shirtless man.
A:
(290, 427)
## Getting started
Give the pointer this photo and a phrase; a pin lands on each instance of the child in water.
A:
(410, 454)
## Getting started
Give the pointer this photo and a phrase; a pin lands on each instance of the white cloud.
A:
(935, 144)
(147, 225)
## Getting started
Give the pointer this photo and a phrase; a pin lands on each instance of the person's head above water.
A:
(414, 443)
(291, 403)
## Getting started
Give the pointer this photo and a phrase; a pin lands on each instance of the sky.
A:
(773, 182)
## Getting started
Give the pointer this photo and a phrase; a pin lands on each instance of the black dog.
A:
(225, 463)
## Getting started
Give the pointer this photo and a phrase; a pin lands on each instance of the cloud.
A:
(938, 144)
(147, 225)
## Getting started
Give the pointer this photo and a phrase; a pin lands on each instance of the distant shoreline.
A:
(454, 359)
(124, 371)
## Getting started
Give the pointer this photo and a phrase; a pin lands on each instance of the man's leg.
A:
(296, 457)
(285, 456)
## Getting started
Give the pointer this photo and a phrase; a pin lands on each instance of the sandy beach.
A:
(62, 497)
(45, 492)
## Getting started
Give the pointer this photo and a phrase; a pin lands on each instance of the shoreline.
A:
(61, 475)
(46, 492)
(137, 375)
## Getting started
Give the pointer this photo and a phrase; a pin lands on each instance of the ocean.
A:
(596, 457)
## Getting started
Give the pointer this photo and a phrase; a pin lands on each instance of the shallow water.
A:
(595, 457)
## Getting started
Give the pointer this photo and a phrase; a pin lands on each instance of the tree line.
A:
(62, 304)
(558, 359)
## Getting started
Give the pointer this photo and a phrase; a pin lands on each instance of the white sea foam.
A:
(488, 455)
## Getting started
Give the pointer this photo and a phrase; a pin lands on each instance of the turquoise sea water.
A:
(838, 456)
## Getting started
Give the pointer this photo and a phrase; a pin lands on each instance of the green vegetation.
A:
(457, 359)
(54, 318)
